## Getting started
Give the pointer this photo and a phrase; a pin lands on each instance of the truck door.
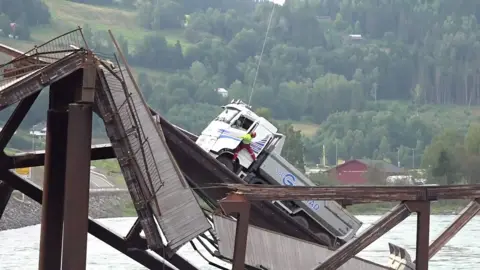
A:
(261, 140)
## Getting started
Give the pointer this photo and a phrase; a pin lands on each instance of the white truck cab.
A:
(332, 224)
(222, 135)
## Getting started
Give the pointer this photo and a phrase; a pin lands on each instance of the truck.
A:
(328, 220)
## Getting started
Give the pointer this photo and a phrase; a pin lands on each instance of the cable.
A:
(261, 53)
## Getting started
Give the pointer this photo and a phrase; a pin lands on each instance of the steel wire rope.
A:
(261, 53)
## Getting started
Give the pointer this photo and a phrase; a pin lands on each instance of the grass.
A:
(11, 151)
(307, 129)
(67, 15)
(128, 210)
(111, 166)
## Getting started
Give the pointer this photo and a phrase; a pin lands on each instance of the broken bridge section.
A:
(18, 86)
(275, 251)
(146, 161)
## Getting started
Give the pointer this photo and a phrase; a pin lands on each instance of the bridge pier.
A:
(77, 187)
(54, 177)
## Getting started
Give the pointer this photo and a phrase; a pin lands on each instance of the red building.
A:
(357, 171)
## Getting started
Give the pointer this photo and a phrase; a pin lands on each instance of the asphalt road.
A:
(97, 180)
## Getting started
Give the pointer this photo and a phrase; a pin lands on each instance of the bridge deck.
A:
(12, 91)
(176, 208)
(279, 252)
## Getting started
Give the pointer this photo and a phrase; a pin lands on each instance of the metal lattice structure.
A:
(119, 125)
(41, 56)
(148, 162)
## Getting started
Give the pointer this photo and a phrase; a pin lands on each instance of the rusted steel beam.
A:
(10, 51)
(351, 193)
(16, 119)
(33, 160)
(5, 194)
(357, 194)
(463, 218)
(53, 186)
(37, 80)
(375, 231)
(24, 160)
(19, 71)
(423, 232)
(453, 192)
(74, 253)
(235, 203)
(134, 231)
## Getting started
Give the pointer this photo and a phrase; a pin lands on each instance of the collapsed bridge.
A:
(165, 171)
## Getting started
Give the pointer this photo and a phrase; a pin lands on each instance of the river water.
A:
(19, 248)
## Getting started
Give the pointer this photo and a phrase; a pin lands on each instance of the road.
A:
(97, 180)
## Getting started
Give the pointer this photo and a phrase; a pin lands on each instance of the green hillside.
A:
(360, 79)
(67, 15)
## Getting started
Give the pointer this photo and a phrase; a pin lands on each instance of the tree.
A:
(445, 171)
(198, 72)
(293, 147)
(371, 95)
(472, 139)
(383, 148)
(471, 169)
(417, 95)
(264, 112)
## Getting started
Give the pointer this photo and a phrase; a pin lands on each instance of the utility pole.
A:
(413, 159)
(336, 153)
(324, 156)
(398, 157)
(33, 142)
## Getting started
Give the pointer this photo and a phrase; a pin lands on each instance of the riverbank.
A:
(22, 211)
(451, 207)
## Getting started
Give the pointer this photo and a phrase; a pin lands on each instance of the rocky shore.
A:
(23, 211)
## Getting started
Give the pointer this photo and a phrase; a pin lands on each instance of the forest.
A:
(384, 79)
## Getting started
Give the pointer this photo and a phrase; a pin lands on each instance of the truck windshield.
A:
(227, 115)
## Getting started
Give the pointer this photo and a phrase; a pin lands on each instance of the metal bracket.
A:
(45, 79)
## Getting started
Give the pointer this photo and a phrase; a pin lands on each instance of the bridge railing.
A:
(47, 53)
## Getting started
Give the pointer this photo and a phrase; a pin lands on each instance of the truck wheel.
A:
(257, 181)
(303, 221)
(326, 240)
(226, 161)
